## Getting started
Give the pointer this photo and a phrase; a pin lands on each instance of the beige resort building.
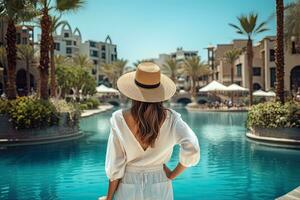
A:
(264, 73)
(69, 43)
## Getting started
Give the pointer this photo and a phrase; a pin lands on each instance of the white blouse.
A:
(124, 149)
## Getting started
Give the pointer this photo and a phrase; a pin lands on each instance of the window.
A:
(94, 53)
(66, 35)
(112, 57)
(217, 75)
(95, 62)
(295, 48)
(92, 44)
(239, 70)
(115, 49)
(272, 55)
(256, 71)
(56, 46)
(103, 47)
(69, 42)
(103, 56)
(68, 50)
(272, 77)
(74, 43)
(24, 30)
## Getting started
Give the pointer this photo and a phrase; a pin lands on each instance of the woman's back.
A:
(129, 150)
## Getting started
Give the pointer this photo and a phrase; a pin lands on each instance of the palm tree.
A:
(279, 51)
(60, 60)
(26, 53)
(55, 24)
(248, 26)
(14, 11)
(44, 7)
(230, 57)
(171, 69)
(82, 61)
(195, 68)
(292, 23)
(113, 71)
(106, 69)
(3, 64)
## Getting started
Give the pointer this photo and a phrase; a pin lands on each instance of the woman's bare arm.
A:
(113, 185)
(171, 174)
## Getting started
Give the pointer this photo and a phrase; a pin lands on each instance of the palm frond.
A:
(69, 5)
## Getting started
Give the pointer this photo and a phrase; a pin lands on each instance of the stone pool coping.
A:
(294, 194)
(40, 140)
(102, 108)
(275, 142)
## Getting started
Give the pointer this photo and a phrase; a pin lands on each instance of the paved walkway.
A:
(293, 195)
(100, 109)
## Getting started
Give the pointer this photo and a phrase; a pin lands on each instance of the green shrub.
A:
(73, 110)
(94, 102)
(83, 106)
(274, 115)
(4, 106)
(91, 103)
(29, 112)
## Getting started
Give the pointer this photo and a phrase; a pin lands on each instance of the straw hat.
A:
(146, 84)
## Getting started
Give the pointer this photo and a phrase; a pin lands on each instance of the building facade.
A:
(69, 43)
(25, 36)
(99, 53)
(264, 71)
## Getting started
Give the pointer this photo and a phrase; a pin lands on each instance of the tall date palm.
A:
(248, 26)
(14, 11)
(195, 68)
(279, 51)
(44, 7)
(56, 22)
(230, 57)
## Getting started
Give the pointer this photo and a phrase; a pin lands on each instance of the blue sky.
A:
(144, 28)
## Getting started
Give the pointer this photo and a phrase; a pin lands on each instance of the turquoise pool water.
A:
(231, 167)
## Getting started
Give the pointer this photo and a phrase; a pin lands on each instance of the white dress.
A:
(141, 171)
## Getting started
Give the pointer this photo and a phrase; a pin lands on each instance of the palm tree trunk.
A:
(232, 73)
(52, 66)
(27, 77)
(279, 52)
(11, 38)
(250, 70)
(44, 53)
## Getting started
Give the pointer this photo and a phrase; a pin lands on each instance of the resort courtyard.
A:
(235, 66)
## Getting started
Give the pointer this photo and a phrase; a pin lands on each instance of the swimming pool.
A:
(231, 167)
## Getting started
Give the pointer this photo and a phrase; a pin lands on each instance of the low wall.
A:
(60, 132)
(282, 133)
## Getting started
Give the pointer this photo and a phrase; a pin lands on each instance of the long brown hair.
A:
(149, 118)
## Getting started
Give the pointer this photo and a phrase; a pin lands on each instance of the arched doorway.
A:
(295, 78)
(256, 86)
(21, 83)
